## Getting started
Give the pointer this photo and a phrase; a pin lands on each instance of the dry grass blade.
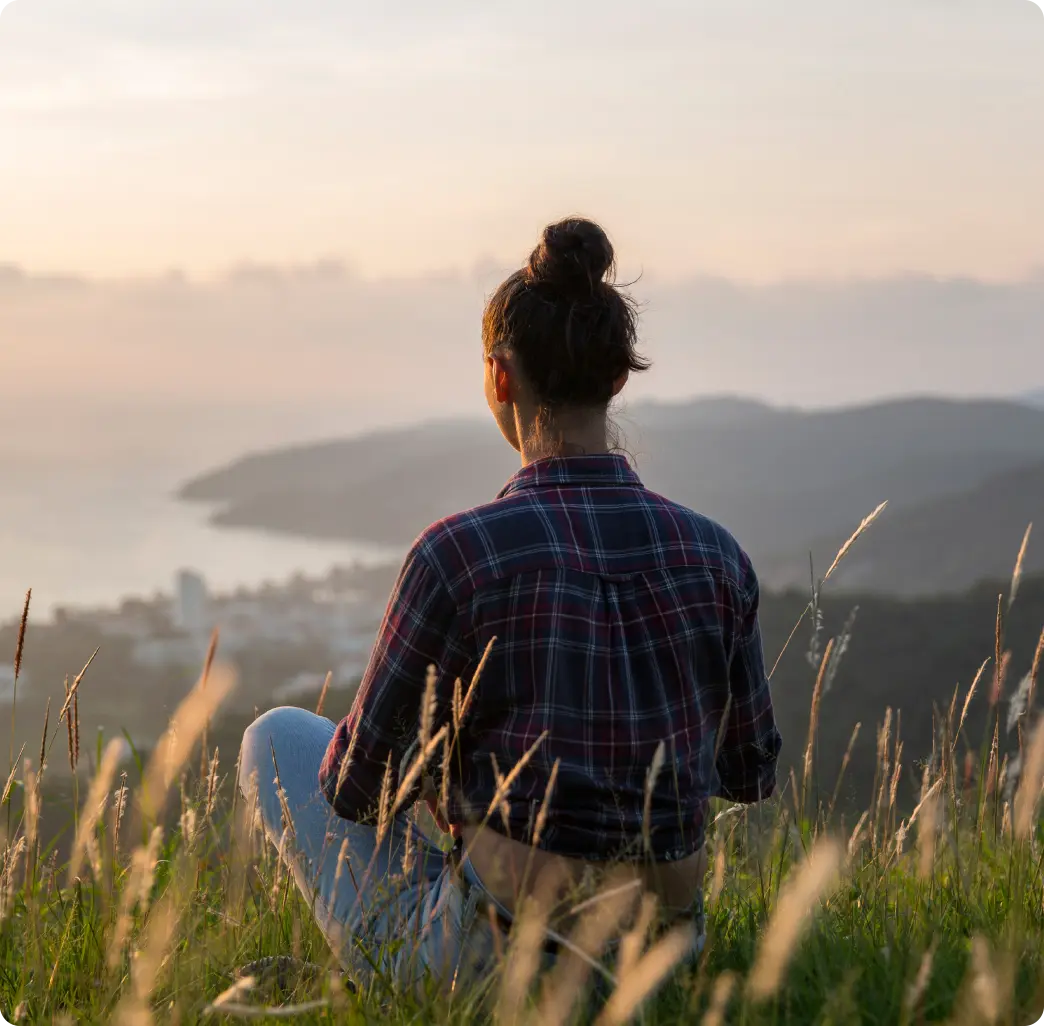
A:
(458, 702)
(929, 794)
(70, 693)
(967, 702)
(284, 805)
(134, 1010)
(927, 833)
(803, 889)
(998, 639)
(1000, 678)
(469, 697)
(69, 731)
(633, 941)
(545, 805)
(184, 729)
(238, 989)
(1030, 784)
(844, 767)
(893, 787)
(724, 985)
(322, 694)
(32, 805)
(19, 651)
(790, 638)
(650, 783)
(208, 659)
(7, 877)
(11, 777)
(43, 739)
(23, 623)
(524, 952)
(237, 1011)
(723, 723)
(984, 983)
(1034, 673)
(1016, 576)
(208, 662)
(84, 842)
(76, 728)
(843, 551)
(427, 710)
(505, 784)
(136, 891)
(446, 775)
(384, 804)
(599, 924)
(718, 876)
(916, 989)
(605, 894)
(407, 783)
(647, 975)
(813, 723)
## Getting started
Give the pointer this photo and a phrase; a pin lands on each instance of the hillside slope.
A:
(783, 481)
(946, 544)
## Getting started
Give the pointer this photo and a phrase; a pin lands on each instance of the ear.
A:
(501, 372)
(619, 383)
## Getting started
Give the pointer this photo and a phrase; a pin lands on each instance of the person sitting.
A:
(622, 682)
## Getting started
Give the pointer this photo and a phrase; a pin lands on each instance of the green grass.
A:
(946, 927)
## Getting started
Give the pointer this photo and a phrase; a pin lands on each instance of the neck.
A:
(582, 434)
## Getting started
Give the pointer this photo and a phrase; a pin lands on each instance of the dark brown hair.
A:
(574, 332)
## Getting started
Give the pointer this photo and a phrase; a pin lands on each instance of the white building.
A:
(191, 604)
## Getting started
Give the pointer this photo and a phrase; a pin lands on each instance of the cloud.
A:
(323, 333)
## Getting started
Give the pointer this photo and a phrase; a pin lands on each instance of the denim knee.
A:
(299, 739)
(256, 748)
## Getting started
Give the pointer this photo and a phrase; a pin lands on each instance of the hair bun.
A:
(574, 255)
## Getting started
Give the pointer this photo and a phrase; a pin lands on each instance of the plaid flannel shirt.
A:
(622, 621)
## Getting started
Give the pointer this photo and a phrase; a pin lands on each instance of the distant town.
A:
(282, 638)
(336, 615)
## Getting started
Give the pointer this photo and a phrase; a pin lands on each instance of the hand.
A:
(431, 799)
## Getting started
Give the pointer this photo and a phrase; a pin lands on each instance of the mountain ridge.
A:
(785, 481)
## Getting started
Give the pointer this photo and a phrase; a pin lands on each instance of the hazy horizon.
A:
(348, 351)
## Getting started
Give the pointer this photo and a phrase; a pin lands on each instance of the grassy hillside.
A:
(931, 915)
(904, 655)
(933, 546)
(784, 481)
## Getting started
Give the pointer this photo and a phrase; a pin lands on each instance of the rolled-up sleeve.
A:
(750, 747)
(419, 630)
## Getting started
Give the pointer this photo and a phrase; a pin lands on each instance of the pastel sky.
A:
(755, 139)
(227, 225)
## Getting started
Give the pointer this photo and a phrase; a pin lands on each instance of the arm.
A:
(417, 631)
(750, 744)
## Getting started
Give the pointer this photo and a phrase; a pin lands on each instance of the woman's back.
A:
(622, 622)
(624, 681)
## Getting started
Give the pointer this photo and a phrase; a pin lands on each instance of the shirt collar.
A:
(606, 470)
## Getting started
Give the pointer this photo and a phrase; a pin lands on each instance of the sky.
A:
(304, 203)
(753, 139)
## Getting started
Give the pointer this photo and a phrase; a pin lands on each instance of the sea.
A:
(89, 514)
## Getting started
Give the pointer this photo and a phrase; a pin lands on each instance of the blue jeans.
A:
(404, 909)
(401, 910)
